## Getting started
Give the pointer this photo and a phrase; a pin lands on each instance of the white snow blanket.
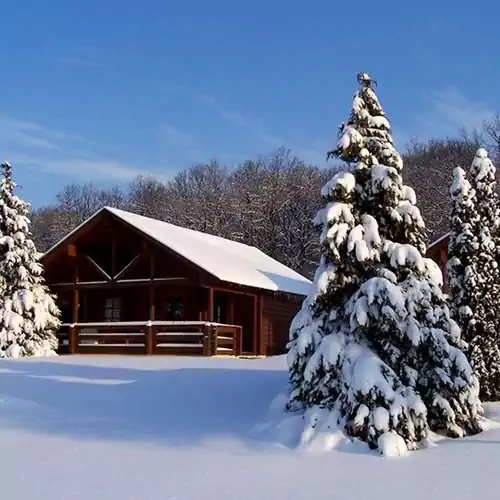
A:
(130, 428)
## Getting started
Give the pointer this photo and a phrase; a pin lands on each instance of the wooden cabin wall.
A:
(134, 304)
(278, 313)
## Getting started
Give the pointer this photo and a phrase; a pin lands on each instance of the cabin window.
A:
(112, 309)
(173, 308)
(169, 308)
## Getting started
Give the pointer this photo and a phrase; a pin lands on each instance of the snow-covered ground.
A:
(122, 428)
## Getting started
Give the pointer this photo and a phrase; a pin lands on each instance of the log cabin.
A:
(130, 284)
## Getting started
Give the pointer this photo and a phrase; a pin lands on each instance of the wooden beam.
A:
(80, 284)
(154, 281)
(121, 283)
(128, 266)
(230, 290)
(99, 268)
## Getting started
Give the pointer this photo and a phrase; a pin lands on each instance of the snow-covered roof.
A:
(227, 260)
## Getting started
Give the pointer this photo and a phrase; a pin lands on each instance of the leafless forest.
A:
(267, 202)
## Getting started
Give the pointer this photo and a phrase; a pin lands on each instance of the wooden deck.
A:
(195, 338)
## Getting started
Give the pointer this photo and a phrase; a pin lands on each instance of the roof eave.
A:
(439, 240)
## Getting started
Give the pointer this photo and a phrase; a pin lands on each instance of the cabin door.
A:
(243, 316)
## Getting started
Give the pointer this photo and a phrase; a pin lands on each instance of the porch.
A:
(154, 317)
(196, 338)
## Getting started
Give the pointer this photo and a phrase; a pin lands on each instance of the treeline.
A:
(267, 202)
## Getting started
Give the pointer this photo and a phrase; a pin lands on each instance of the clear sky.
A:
(105, 89)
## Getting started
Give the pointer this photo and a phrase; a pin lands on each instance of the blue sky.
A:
(104, 90)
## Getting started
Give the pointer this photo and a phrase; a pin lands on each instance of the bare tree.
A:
(149, 197)
(74, 204)
(267, 202)
(199, 198)
(428, 169)
(80, 201)
(273, 201)
(492, 137)
(48, 226)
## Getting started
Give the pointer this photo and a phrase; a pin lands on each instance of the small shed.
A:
(131, 284)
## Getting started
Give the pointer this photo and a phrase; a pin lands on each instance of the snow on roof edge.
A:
(439, 240)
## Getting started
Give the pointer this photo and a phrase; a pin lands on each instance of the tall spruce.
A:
(463, 247)
(374, 342)
(29, 317)
(474, 275)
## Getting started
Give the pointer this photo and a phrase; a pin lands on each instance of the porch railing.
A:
(151, 337)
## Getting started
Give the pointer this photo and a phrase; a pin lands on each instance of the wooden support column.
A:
(255, 325)
(113, 254)
(210, 316)
(152, 263)
(230, 309)
(260, 325)
(73, 331)
(150, 331)
(238, 341)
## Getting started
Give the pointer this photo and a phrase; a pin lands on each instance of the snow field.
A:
(131, 428)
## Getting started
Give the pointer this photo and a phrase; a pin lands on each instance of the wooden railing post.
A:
(150, 338)
(207, 340)
(213, 339)
(73, 339)
(238, 347)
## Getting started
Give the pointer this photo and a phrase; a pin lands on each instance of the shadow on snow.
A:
(180, 406)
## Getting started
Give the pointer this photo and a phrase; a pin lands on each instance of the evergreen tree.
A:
(29, 317)
(462, 250)
(374, 341)
(474, 275)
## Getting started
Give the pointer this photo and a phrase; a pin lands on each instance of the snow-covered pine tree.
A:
(463, 249)
(29, 317)
(475, 274)
(374, 342)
